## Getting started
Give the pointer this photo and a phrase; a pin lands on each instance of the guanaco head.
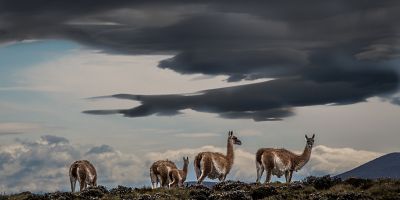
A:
(186, 161)
(233, 138)
(310, 141)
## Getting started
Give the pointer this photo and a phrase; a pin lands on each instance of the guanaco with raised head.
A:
(281, 161)
(216, 165)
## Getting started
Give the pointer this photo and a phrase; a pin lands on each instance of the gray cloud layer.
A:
(270, 100)
(317, 52)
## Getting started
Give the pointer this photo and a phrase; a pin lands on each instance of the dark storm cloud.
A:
(318, 52)
(270, 100)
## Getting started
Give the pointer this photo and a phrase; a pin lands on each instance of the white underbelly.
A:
(89, 177)
(216, 170)
(279, 167)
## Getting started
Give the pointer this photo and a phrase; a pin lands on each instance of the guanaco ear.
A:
(230, 133)
(187, 158)
(306, 136)
(313, 136)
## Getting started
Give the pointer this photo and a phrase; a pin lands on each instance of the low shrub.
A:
(322, 183)
(263, 191)
(92, 193)
(230, 195)
(121, 190)
(231, 185)
(359, 183)
(199, 194)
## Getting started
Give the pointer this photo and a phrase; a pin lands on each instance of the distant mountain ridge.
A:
(386, 166)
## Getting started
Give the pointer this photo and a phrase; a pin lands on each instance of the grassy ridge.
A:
(311, 188)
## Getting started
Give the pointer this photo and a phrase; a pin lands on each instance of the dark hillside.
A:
(387, 166)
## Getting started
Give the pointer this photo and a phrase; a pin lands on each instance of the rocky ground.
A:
(325, 188)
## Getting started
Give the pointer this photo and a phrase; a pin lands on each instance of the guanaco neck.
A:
(229, 152)
(185, 169)
(303, 158)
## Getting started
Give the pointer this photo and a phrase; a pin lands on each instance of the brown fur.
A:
(213, 164)
(159, 171)
(281, 161)
(84, 172)
(177, 176)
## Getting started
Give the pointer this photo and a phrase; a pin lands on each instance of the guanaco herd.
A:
(213, 165)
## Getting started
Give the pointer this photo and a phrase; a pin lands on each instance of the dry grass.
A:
(311, 188)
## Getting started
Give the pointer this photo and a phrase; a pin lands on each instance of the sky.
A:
(126, 83)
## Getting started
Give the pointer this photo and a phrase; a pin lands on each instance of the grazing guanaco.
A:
(84, 172)
(159, 171)
(178, 177)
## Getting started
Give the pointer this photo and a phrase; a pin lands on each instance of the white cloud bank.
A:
(42, 165)
(326, 160)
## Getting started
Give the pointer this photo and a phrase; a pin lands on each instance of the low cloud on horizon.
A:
(42, 165)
